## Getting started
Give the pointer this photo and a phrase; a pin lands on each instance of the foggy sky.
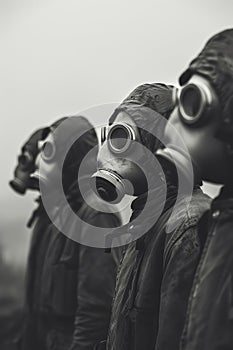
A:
(61, 56)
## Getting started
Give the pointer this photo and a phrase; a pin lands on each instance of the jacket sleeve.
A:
(180, 262)
(95, 288)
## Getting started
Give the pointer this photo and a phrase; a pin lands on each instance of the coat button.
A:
(215, 214)
(195, 290)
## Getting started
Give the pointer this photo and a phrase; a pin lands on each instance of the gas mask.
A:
(123, 159)
(204, 108)
(62, 152)
(23, 174)
(197, 118)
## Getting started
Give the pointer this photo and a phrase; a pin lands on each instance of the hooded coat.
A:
(155, 276)
(215, 63)
(209, 321)
(69, 286)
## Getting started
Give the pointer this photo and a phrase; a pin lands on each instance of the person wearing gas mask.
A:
(204, 118)
(69, 286)
(12, 321)
(156, 272)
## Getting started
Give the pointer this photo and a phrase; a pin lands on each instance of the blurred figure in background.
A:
(12, 285)
(69, 286)
(11, 303)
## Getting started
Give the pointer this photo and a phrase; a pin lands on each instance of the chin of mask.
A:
(118, 177)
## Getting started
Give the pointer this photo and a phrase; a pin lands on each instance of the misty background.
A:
(59, 57)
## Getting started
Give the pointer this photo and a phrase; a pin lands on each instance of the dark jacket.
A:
(154, 281)
(69, 287)
(209, 323)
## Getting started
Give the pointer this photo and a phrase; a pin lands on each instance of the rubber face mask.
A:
(23, 174)
(119, 172)
(197, 117)
(70, 142)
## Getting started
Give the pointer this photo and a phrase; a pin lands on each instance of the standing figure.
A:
(204, 118)
(155, 276)
(69, 286)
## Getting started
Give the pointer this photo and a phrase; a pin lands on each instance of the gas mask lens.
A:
(48, 151)
(192, 102)
(196, 101)
(120, 137)
(25, 160)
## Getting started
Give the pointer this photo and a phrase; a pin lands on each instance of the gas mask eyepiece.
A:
(119, 137)
(195, 102)
(48, 151)
(26, 160)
